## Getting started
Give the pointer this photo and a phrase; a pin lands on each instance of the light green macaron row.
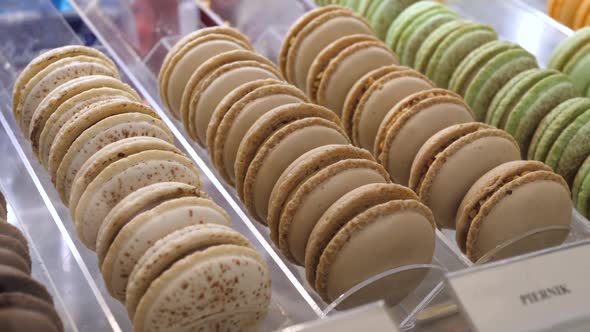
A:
(572, 57)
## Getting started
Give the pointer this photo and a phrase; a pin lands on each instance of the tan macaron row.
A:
(135, 199)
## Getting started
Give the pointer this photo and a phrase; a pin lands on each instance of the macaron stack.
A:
(572, 13)
(25, 304)
(165, 249)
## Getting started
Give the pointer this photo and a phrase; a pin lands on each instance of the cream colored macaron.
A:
(311, 34)
(73, 106)
(37, 65)
(409, 124)
(370, 230)
(452, 160)
(188, 54)
(122, 178)
(214, 79)
(109, 154)
(512, 200)
(307, 200)
(237, 115)
(350, 65)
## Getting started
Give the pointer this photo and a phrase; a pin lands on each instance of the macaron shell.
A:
(277, 153)
(301, 169)
(577, 68)
(140, 233)
(19, 282)
(349, 66)
(406, 18)
(378, 233)
(3, 207)
(12, 259)
(428, 48)
(23, 312)
(376, 102)
(312, 198)
(12, 244)
(495, 224)
(582, 15)
(13, 232)
(567, 12)
(168, 304)
(123, 177)
(111, 153)
(383, 13)
(583, 198)
(568, 48)
(166, 251)
(136, 203)
(566, 140)
(343, 210)
(242, 116)
(574, 154)
(580, 178)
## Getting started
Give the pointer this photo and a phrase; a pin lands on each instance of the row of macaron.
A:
(573, 13)
(25, 303)
(500, 81)
(165, 250)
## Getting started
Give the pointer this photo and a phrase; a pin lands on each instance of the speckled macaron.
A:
(581, 189)
(23, 312)
(378, 97)
(188, 54)
(123, 177)
(310, 34)
(509, 201)
(109, 154)
(369, 230)
(284, 134)
(147, 226)
(234, 116)
(572, 57)
(213, 80)
(312, 185)
(452, 160)
(410, 123)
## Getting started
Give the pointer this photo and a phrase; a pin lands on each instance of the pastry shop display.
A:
(572, 13)
(132, 193)
(572, 57)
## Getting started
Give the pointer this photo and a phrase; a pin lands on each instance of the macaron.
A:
(554, 124)
(378, 97)
(572, 57)
(347, 67)
(11, 231)
(214, 79)
(273, 142)
(188, 54)
(582, 17)
(564, 11)
(486, 70)
(123, 177)
(75, 105)
(34, 70)
(23, 312)
(109, 154)
(369, 230)
(581, 189)
(509, 201)
(136, 203)
(234, 116)
(325, 56)
(382, 13)
(13, 253)
(148, 226)
(3, 208)
(231, 287)
(410, 123)
(411, 28)
(319, 186)
(452, 160)
(310, 34)
(14, 280)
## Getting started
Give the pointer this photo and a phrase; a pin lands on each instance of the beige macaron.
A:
(188, 54)
(452, 160)
(241, 115)
(73, 106)
(322, 60)
(44, 60)
(379, 98)
(509, 201)
(314, 194)
(122, 178)
(142, 230)
(218, 288)
(109, 154)
(350, 65)
(311, 34)
(214, 79)
(273, 142)
(367, 231)
(409, 124)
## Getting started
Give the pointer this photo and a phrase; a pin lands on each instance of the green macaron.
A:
(382, 13)
(535, 104)
(581, 189)
(578, 68)
(432, 42)
(554, 124)
(569, 48)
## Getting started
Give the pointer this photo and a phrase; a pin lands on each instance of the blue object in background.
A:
(62, 5)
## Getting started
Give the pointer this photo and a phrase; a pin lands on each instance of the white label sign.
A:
(548, 291)
(372, 318)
